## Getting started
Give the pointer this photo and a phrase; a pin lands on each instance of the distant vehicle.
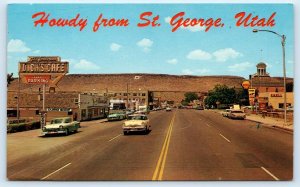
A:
(129, 112)
(168, 109)
(136, 123)
(226, 112)
(236, 114)
(199, 108)
(116, 116)
(63, 125)
(143, 109)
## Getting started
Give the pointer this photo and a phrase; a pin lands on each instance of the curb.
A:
(272, 126)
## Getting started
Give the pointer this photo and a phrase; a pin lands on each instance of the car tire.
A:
(67, 132)
(125, 133)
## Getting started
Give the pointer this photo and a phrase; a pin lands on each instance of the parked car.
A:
(136, 123)
(226, 112)
(63, 125)
(116, 116)
(236, 114)
(168, 109)
(129, 112)
(199, 108)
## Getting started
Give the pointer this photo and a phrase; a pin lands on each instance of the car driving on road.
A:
(136, 123)
(63, 125)
(236, 114)
(116, 116)
(226, 112)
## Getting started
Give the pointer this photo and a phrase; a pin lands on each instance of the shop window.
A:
(83, 113)
(70, 112)
(11, 113)
(276, 90)
(143, 94)
(134, 94)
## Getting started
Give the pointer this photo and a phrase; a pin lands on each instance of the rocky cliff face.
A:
(151, 82)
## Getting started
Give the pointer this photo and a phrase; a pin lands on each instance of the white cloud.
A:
(187, 72)
(240, 67)
(202, 71)
(145, 44)
(199, 55)
(172, 61)
(223, 55)
(269, 65)
(196, 71)
(85, 65)
(195, 28)
(71, 61)
(115, 47)
(16, 45)
(167, 19)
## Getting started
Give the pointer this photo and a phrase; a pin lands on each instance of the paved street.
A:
(183, 145)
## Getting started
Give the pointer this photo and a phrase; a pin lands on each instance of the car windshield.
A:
(137, 117)
(56, 121)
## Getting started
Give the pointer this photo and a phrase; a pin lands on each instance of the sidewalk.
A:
(271, 122)
(268, 121)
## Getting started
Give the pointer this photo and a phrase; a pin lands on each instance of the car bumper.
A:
(238, 117)
(113, 119)
(134, 129)
(53, 132)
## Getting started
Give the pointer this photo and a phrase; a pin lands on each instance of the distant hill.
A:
(137, 81)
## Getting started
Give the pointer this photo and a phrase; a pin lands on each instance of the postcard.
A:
(150, 92)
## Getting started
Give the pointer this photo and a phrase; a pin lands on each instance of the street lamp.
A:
(283, 37)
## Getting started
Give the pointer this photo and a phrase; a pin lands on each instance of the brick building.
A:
(269, 90)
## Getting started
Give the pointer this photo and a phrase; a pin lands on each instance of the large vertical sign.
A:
(251, 92)
(43, 70)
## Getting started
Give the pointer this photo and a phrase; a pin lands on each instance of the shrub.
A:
(11, 128)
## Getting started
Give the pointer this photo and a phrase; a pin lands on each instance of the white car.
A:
(168, 109)
(226, 112)
(236, 114)
(136, 123)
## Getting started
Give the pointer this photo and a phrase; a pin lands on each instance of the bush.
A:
(11, 128)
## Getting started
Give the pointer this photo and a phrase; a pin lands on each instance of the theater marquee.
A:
(43, 70)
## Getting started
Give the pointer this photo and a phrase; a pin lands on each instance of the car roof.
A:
(138, 115)
(62, 118)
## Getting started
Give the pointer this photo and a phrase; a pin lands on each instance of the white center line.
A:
(207, 124)
(114, 137)
(55, 171)
(268, 172)
(225, 138)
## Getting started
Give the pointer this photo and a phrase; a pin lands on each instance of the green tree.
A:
(221, 94)
(184, 103)
(242, 96)
(9, 78)
(190, 96)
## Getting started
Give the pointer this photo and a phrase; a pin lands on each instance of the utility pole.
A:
(18, 100)
(127, 107)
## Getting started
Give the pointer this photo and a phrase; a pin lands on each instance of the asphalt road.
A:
(183, 145)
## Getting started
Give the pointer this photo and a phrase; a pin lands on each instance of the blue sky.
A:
(229, 50)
